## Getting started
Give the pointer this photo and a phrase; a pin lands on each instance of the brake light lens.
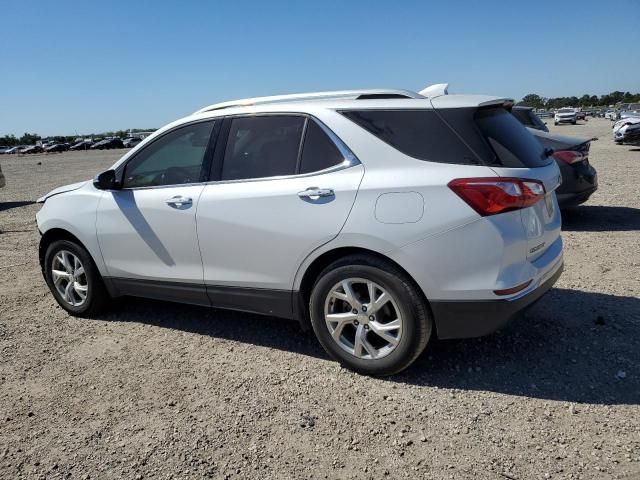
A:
(493, 195)
(569, 156)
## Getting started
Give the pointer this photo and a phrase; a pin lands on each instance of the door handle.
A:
(179, 201)
(315, 192)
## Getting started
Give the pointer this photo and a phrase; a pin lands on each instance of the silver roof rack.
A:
(342, 94)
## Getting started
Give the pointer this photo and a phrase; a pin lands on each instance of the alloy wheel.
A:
(363, 318)
(69, 278)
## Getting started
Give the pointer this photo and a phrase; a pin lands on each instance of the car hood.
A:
(59, 190)
(625, 121)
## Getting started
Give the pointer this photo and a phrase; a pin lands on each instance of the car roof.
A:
(351, 99)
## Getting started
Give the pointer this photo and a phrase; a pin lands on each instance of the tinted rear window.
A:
(262, 146)
(512, 144)
(318, 152)
(418, 133)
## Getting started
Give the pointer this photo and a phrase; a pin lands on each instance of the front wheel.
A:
(74, 279)
(369, 316)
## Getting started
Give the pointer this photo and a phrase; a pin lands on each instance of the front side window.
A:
(262, 147)
(175, 158)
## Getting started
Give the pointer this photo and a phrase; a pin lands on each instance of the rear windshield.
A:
(465, 136)
(512, 144)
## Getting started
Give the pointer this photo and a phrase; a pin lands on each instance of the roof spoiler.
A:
(435, 90)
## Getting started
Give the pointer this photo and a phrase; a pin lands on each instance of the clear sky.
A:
(84, 66)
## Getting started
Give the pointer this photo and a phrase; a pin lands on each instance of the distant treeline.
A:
(32, 138)
(536, 101)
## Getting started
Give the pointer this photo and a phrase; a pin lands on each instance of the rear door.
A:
(285, 186)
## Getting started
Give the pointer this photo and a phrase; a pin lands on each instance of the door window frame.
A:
(215, 175)
(207, 159)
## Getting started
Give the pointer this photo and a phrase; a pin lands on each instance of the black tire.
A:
(417, 321)
(96, 296)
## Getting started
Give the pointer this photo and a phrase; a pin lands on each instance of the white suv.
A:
(379, 218)
(565, 115)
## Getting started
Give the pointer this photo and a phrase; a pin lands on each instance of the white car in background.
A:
(565, 115)
(377, 218)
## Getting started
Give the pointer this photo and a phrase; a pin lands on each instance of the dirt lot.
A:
(156, 390)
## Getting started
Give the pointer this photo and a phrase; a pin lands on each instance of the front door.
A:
(147, 229)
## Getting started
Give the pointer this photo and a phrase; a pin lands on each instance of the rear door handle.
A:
(179, 201)
(315, 192)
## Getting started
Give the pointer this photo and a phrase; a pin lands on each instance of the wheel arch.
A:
(314, 269)
(57, 233)
(51, 236)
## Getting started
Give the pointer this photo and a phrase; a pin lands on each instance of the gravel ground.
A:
(157, 390)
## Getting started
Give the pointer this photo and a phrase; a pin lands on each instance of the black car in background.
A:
(579, 178)
(131, 142)
(81, 145)
(32, 149)
(57, 148)
(107, 144)
(528, 118)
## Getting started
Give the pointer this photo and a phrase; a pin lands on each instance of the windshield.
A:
(566, 110)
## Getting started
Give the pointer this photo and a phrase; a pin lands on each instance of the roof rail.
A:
(435, 90)
(346, 94)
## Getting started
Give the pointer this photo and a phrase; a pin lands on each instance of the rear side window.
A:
(319, 152)
(418, 133)
(512, 144)
(262, 146)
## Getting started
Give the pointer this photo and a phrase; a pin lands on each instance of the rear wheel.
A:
(74, 279)
(368, 315)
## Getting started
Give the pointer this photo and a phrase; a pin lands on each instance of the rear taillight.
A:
(492, 195)
(569, 156)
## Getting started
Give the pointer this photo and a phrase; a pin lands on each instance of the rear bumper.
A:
(573, 199)
(475, 318)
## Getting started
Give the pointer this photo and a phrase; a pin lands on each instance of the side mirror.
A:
(106, 181)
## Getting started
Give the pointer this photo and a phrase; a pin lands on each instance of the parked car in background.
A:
(130, 142)
(581, 115)
(611, 114)
(3, 149)
(627, 131)
(631, 110)
(579, 178)
(81, 145)
(57, 147)
(107, 144)
(366, 215)
(15, 149)
(3, 180)
(32, 149)
(565, 115)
